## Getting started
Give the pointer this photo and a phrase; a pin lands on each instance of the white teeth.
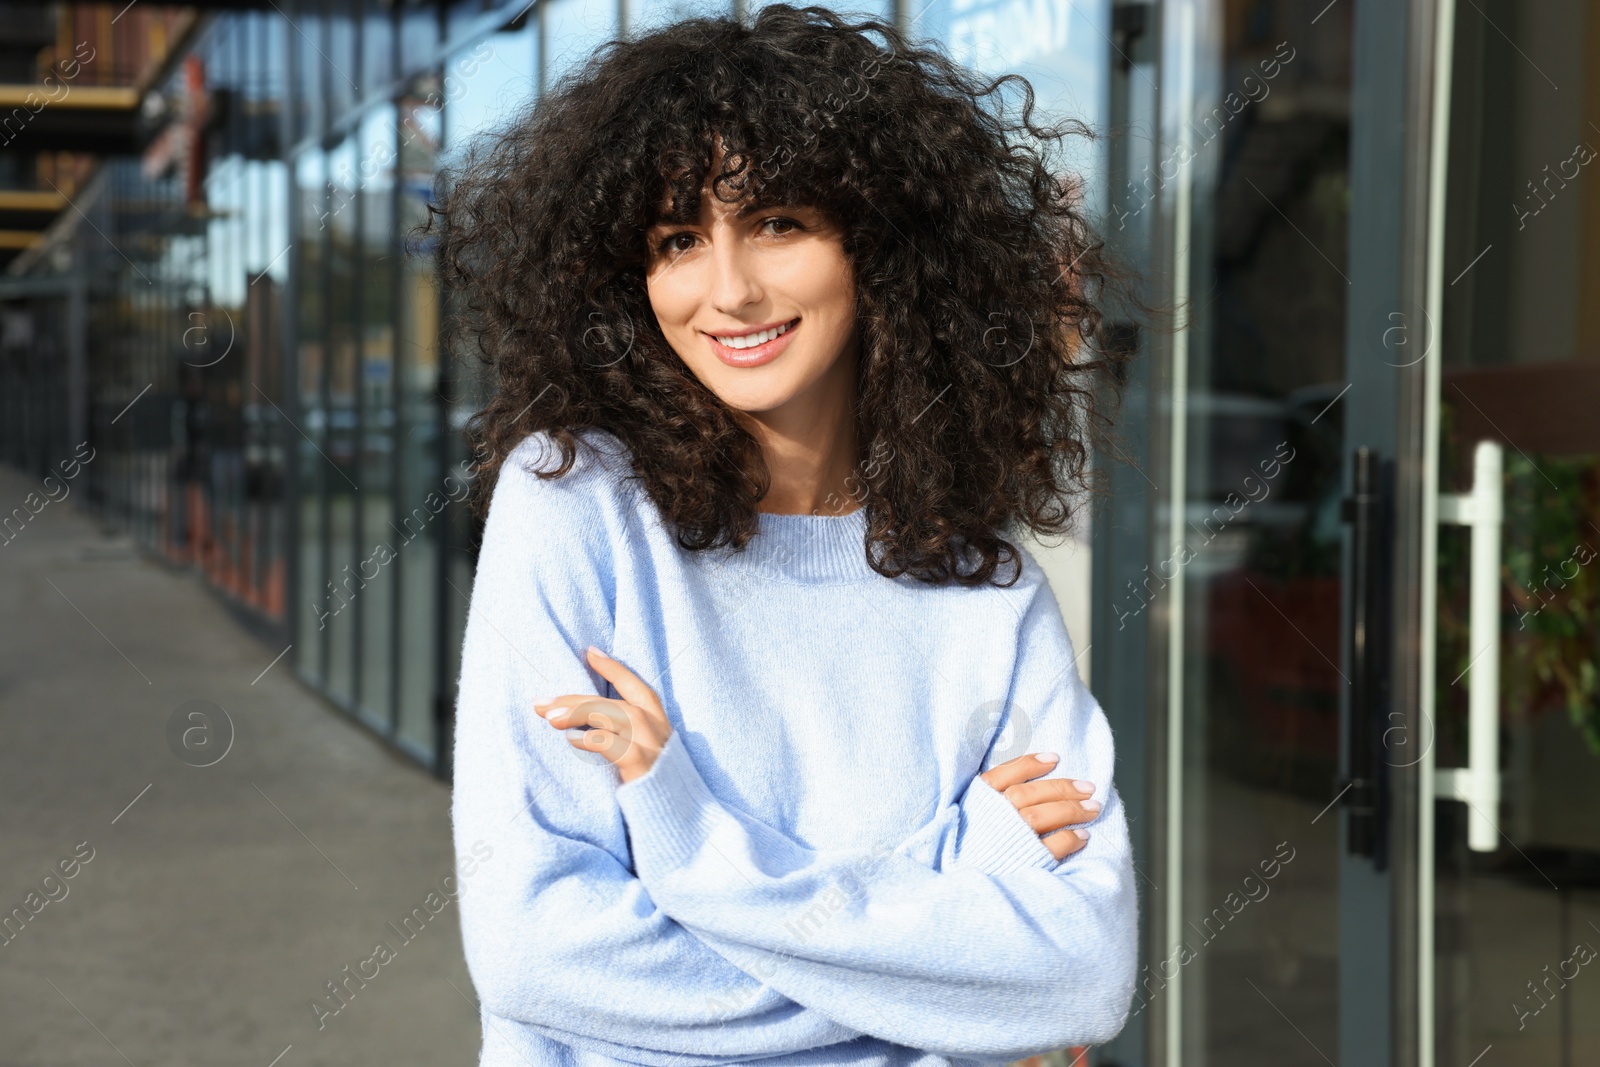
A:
(750, 340)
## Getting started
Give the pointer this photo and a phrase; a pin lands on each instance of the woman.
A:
(785, 332)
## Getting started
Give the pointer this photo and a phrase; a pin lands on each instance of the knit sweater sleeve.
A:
(559, 933)
(1003, 959)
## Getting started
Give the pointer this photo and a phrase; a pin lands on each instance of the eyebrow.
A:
(745, 211)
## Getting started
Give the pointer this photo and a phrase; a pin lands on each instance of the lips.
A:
(762, 353)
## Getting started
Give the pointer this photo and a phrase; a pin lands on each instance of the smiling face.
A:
(760, 303)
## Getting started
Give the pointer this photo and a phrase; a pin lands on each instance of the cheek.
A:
(673, 302)
(825, 283)
(839, 298)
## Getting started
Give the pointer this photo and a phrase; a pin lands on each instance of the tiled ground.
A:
(216, 900)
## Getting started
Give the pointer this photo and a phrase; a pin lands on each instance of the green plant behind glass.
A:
(1551, 574)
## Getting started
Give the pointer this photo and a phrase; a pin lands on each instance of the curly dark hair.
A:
(981, 284)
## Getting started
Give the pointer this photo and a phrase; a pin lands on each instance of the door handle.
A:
(1478, 783)
(1362, 792)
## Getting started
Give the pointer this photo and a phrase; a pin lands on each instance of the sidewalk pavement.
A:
(158, 911)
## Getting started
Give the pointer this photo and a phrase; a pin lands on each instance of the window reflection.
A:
(487, 85)
(339, 56)
(376, 460)
(377, 46)
(417, 438)
(1257, 544)
(572, 30)
(310, 251)
(307, 41)
(419, 33)
(339, 437)
(1520, 366)
(646, 15)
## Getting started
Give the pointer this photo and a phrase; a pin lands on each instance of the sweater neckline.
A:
(808, 549)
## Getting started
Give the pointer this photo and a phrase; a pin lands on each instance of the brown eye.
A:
(666, 246)
(779, 221)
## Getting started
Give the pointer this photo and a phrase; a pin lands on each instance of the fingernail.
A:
(1083, 787)
(575, 734)
(597, 652)
(1046, 757)
(540, 702)
(1083, 835)
(1090, 805)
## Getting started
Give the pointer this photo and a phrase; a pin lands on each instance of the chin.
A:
(753, 404)
(745, 395)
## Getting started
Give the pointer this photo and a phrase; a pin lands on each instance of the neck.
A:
(810, 447)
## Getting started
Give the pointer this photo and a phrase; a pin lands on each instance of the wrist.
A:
(993, 835)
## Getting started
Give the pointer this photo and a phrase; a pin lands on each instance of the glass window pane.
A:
(266, 432)
(646, 15)
(1258, 543)
(311, 188)
(342, 61)
(463, 17)
(340, 434)
(307, 40)
(377, 453)
(214, 314)
(852, 10)
(487, 85)
(377, 46)
(573, 29)
(1520, 332)
(417, 432)
(419, 34)
(273, 38)
(1062, 49)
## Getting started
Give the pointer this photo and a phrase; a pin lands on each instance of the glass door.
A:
(1278, 202)
(1510, 971)
(1267, 918)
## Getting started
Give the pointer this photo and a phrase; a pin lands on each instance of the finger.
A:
(1012, 772)
(1043, 818)
(628, 685)
(628, 755)
(1044, 790)
(552, 706)
(575, 709)
(612, 715)
(609, 745)
(1064, 843)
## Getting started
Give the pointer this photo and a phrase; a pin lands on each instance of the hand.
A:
(629, 732)
(1047, 805)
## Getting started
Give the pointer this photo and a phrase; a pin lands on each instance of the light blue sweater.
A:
(811, 872)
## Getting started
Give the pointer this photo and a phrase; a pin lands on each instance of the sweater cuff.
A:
(668, 809)
(994, 837)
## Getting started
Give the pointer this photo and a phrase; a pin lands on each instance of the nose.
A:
(734, 285)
